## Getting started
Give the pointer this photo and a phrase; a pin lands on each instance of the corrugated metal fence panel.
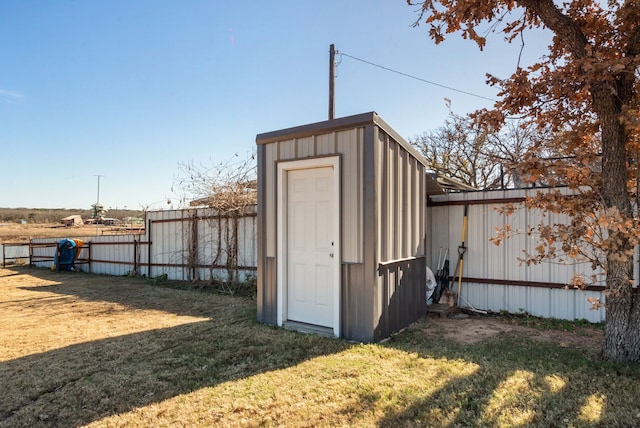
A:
(221, 252)
(207, 243)
(183, 250)
(172, 234)
(167, 249)
(113, 255)
(537, 301)
(14, 252)
(211, 245)
(487, 261)
(45, 249)
(247, 236)
(40, 252)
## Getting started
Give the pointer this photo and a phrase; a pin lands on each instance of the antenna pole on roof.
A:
(332, 79)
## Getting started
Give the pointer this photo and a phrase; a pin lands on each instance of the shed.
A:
(341, 228)
(72, 220)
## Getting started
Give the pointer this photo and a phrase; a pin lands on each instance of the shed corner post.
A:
(370, 293)
(260, 218)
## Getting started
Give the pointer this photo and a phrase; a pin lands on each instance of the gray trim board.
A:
(326, 126)
(349, 122)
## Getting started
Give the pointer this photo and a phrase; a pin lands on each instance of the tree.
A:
(585, 91)
(229, 188)
(475, 156)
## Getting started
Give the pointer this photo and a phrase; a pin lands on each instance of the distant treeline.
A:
(46, 215)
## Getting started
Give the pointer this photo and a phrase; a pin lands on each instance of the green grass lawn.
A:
(101, 351)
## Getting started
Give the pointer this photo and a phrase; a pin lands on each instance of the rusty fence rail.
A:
(13, 253)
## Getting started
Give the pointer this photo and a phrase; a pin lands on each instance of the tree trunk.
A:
(622, 341)
(621, 338)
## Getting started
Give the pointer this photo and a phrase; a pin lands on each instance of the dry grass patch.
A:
(15, 233)
(82, 349)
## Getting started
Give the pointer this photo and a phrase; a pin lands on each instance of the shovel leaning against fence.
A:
(448, 294)
(462, 249)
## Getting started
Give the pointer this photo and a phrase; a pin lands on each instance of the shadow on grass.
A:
(522, 382)
(128, 292)
(77, 384)
(518, 381)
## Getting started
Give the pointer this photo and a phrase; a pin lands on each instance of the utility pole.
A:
(332, 78)
(95, 208)
(98, 197)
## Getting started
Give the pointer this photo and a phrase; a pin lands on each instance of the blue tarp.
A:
(65, 255)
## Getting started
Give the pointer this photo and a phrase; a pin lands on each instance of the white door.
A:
(310, 249)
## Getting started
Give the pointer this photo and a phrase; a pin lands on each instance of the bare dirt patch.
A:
(469, 329)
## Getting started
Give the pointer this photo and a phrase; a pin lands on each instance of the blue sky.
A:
(130, 89)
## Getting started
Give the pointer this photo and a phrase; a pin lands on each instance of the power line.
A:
(415, 77)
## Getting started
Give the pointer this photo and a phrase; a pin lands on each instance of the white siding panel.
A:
(207, 245)
(563, 304)
(488, 262)
(515, 247)
(496, 298)
(540, 302)
(473, 265)
(247, 235)
(517, 299)
(473, 294)
(540, 272)
(583, 307)
(14, 251)
(438, 236)
(496, 256)
(116, 255)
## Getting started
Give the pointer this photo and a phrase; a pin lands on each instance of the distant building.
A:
(133, 220)
(107, 221)
(72, 220)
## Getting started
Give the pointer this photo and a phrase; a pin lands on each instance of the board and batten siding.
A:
(348, 144)
(400, 229)
(493, 277)
(382, 221)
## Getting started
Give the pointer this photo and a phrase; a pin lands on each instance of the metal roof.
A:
(363, 119)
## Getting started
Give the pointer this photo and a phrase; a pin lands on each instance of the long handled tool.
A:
(442, 275)
(461, 250)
